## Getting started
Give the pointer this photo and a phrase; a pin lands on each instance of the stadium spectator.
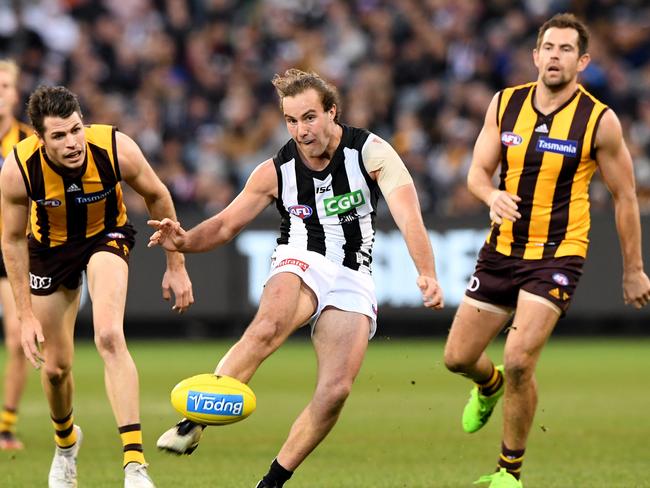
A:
(387, 58)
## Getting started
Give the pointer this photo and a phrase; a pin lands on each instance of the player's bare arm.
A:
(405, 209)
(485, 160)
(617, 170)
(387, 168)
(258, 193)
(140, 176)
(15, 212)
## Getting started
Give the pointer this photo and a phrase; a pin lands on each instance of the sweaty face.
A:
(308, 123)
(557, 58)
(8, 94)
(65, 140)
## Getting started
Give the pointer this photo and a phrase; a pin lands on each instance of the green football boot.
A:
(500, 479)
(479, 407)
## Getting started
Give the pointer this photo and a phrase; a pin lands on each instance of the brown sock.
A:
(511, 460)
(492, 384)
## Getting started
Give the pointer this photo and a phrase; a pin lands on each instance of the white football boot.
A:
(63, 471)
(183, 438)
(136, 476)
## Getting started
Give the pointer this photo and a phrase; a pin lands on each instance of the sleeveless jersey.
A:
(69, 207)
(17, 132)
(548, 161)
(331, 212)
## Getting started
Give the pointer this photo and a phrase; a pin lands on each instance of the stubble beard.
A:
(556, 85)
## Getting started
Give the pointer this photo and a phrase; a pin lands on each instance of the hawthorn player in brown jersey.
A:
(65, 180)
(549, 137)
(15, 373)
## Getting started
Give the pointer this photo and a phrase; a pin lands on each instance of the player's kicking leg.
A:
(183, 438)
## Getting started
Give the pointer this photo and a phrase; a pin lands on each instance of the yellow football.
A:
(213, 400)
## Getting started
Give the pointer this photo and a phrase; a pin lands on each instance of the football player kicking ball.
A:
(325, 183)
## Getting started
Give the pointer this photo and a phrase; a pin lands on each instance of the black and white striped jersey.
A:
(331, 212)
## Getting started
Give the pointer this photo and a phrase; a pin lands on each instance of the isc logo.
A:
(214, 404)
(343, 203)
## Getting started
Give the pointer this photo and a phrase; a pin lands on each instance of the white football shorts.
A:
(333, 284)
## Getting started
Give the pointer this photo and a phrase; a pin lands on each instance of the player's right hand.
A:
(432, 296)
(503, 205)
(32, 339)
(169, 234)
(636, 289)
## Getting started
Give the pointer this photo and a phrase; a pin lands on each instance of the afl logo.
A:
(511, 139)
(561, 279)
(300, 211)
(49, 203)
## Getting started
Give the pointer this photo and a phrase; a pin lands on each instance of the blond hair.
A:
(9, 66)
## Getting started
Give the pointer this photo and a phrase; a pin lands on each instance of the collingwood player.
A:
(325, 183)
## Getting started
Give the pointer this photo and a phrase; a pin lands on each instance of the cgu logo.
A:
(300, 211)
(511, 139)
(342, 203)
(215, 404)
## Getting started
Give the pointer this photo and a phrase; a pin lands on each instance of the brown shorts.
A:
(51, 267)
(498, 278)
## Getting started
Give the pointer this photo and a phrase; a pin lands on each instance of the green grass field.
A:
(400, 427)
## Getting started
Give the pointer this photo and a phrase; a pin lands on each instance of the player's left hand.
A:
(431, 292)
(636, 289)
(177, 281)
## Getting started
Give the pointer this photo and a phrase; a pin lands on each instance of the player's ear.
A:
(536, 57)
(583, 62)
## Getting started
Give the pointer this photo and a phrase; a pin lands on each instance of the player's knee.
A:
(456, 362)
(334, 395)
(109, 341)
(264, 333)
(519, 370)
(56, 373)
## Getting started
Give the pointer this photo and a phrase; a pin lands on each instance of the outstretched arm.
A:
(617, 170)
(140, 176)
(259, 191)
(15, 210)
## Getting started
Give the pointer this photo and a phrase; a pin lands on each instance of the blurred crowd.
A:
(190, 79)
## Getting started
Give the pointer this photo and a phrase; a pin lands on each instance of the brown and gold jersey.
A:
(548, 160)
(69, 207)
(17, 132)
